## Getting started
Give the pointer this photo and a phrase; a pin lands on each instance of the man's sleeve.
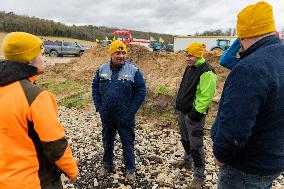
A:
(229, 57)
(207, 86)
(244, 92)
(95, 91)
(139, 92)
(43, 114)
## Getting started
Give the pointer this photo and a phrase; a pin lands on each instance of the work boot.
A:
(196, 183)
(182, 164)
(104, 172)
(130, 177)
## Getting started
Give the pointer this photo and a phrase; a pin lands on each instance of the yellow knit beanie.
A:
(255, 19)
(196, 49)
(21, 46)
(117, 46)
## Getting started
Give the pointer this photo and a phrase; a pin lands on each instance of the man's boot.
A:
(187, 159)
(196, 183)
(104, 172)
(130, 177)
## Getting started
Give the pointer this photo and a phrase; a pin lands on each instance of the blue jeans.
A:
(231, 178)
(126, 132)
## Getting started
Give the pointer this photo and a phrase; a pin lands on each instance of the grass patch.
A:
(76, 100)
(58, 87)
(163, 90)
(70, 93)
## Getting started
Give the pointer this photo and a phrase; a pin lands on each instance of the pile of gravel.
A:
(155, 150)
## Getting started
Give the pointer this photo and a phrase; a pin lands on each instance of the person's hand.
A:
(218, 162)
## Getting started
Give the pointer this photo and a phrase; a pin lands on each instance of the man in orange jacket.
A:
(33, 149)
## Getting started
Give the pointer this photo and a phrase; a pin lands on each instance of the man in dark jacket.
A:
(195, 94)
(118, 91)
(248, 133)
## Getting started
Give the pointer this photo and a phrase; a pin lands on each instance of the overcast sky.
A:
(177, 17)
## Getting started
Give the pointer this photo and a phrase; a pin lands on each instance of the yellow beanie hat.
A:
(196, 49)
(117, 46)
(21, 46)
(256, 19)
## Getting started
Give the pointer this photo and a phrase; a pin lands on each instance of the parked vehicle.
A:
(105, 43)
(60, 48)
(161, 46)
(213, 43)
(221, 46)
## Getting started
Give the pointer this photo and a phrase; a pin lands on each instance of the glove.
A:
(195, 115)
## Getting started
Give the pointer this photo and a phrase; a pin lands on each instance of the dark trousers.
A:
(126, 132)
(57, 184)
(192, 134)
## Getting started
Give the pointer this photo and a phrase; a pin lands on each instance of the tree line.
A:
(217, 32)
(10, 22)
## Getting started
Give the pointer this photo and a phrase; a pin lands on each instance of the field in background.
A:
(83, 42)
(86, 43)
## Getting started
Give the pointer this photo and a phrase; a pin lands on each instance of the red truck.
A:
(126, 37)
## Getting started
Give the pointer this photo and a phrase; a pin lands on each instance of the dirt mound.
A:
(160, 69)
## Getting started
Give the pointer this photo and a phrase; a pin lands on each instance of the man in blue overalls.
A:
(118, 91)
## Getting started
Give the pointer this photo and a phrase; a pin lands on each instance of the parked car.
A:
(161, 46)
(60, 48)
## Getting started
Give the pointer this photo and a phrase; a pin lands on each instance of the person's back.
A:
(33, 149)
(248, 133)
(263, 152)
(16, 146)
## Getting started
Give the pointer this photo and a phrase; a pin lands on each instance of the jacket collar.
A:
(199, 62)
(14, 71)
(266, 41)
(116, 67)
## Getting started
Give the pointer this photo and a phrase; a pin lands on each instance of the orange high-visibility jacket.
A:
(33, 149)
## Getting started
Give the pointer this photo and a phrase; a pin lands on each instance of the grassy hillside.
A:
(83, 42)
(11, 22)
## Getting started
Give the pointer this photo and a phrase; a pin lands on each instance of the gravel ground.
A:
(155, 150)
